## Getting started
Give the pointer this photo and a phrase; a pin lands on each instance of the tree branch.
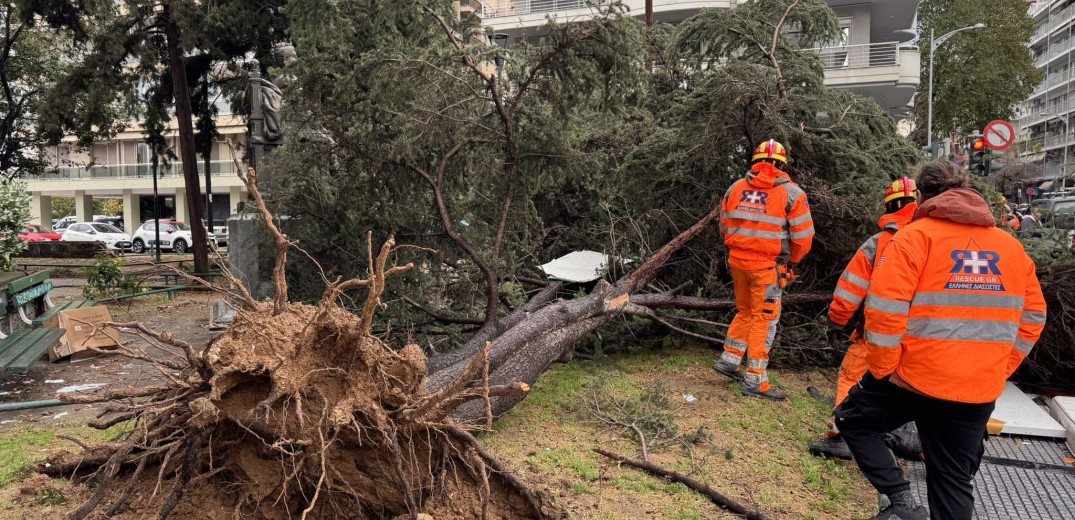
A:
(713, 496)
(442, 317)
(771, 54)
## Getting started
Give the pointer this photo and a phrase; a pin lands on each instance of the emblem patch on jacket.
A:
(975, 270)
(754, 197)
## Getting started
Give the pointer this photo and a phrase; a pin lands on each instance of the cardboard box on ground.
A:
(79, 338)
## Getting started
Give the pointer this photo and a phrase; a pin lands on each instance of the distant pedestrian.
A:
(953, 309)
(1030, 226)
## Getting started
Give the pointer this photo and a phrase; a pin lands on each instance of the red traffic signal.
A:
(978, 144)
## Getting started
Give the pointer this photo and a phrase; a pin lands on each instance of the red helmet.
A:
(905, 187)
(771, 150)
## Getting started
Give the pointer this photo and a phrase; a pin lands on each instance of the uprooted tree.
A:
(408, 129)
(297, 410)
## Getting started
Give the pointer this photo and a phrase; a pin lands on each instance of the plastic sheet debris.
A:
(61, 414)
(690, 398)
(54, 381)
(79, 388)
(580, 266)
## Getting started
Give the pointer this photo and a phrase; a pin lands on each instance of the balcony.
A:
(1041, 114)
(1053, 142)
(525, 7)
(887, 72)
(888, 62)
(513, 16)
(131, 171)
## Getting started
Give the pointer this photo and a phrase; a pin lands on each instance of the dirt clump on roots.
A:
(303, 413)
(296, 411)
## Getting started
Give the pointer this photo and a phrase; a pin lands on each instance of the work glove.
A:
(838, 335)
(837, 339)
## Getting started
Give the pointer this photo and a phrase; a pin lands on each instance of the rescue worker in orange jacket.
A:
(1010, 218)
(953, 309)
(900, 206)
(767, 226)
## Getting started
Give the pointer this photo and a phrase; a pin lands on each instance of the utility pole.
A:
(649, 13)
(208, 163)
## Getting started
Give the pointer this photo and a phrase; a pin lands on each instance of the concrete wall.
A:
(860, 22)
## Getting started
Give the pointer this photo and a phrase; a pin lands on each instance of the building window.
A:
(143, 154)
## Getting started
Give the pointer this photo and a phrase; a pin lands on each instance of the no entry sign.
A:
(999, 135)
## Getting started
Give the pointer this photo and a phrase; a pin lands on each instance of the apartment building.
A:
(873, 58)
(1043, 121)
(121, 168)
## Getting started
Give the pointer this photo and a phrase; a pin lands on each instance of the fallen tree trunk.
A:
(544, 331)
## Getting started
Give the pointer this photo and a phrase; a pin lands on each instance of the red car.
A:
(37, 233)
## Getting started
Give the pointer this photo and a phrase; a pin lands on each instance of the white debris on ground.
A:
(79, 388)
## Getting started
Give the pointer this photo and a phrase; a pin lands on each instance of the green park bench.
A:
(173, 278)
(167, 291)
(40, 320)
(22, 346)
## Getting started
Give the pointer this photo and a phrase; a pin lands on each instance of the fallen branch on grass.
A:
(713, 496)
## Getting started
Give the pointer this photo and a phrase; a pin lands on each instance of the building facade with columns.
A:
(121, 168)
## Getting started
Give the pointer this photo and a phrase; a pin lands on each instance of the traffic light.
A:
(992, 163)
(978, 157)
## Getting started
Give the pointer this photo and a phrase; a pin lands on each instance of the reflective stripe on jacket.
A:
(766, 220)
(853, 284)
(955, 305)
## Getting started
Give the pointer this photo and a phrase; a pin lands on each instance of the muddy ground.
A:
(187, 316)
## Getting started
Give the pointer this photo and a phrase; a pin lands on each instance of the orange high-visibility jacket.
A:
(766, 220)
(955, 305)
(852, 286)
(1013, 222)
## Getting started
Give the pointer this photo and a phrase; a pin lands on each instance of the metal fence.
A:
(132, 171)
(884, 54)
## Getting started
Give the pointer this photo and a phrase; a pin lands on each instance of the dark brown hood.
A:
(962, 205)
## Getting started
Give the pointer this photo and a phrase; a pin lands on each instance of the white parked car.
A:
(107, 234)
(61, 224)
(174, 235)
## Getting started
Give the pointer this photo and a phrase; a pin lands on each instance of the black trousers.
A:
(951, 434)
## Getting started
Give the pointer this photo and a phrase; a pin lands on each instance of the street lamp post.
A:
(933, 44)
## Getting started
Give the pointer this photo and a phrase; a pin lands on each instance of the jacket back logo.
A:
(754, 197)
(975, 270)
(975, 262)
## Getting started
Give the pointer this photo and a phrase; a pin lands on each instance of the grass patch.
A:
(665, 361)
(18, 450)
(580, 489)
(50, 496)
(566, 458)
(22, 446)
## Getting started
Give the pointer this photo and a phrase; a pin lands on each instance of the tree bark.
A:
(525, 351)
(187, 152)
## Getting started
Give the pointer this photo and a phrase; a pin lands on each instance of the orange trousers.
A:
(852, 369)
(751, 334)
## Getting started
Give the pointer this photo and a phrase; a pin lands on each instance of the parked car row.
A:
(175, 236)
